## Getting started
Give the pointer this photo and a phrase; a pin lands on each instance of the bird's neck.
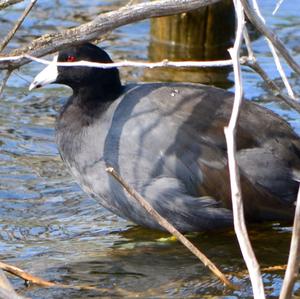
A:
(91, 97)
(87, 104)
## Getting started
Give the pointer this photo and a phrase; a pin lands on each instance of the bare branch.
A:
(293, 266)
(251, 62)
(33, 279)
(102, 24)
(248, 44)
(275, 55)
(26, 276)
(125, 63)
(272, 86)
(17, 25)
(230, 132)
(278, 4)
(260, 26)
(171, 229)
(6, 3)
(4, 81)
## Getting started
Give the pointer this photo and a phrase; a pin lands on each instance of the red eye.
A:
(71, 59)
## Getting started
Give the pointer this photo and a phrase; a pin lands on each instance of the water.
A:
(50, 228)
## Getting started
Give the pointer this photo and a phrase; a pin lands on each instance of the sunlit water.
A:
(51, 228)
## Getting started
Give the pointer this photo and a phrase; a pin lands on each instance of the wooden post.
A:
(204, 34)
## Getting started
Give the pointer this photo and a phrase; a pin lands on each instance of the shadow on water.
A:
(50, 228)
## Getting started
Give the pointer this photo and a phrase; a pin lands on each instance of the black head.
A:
(81, 78)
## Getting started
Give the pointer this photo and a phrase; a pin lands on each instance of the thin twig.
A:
(170, 228)
(274, 268)
(251, 62)
(6, 3)
(45, 283)
(278, 4)
(4, 81)
(272, 86)
(17, 25)
(275, 55)
(260, 26)
(293, 266)
(247, 40)
(254, 64)
(163, 63)
(230, 132)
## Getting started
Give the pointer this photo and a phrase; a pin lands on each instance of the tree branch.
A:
(251, 62)
(272, 86)
(102, 24)
(275, 56)
(260, 26)
(17, 25)
(6, 3)
(4, 81)
(278, 4)
(236, 192)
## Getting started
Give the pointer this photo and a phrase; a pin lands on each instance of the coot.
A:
(167, 141)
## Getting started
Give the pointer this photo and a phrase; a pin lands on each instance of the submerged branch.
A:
(25, 275)
(4, 81)
(29, 278)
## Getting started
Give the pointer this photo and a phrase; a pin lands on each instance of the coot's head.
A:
(78, 77)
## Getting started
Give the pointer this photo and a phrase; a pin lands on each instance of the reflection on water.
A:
(52, 229)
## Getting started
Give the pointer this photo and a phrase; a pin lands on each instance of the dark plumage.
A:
(167, 141)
